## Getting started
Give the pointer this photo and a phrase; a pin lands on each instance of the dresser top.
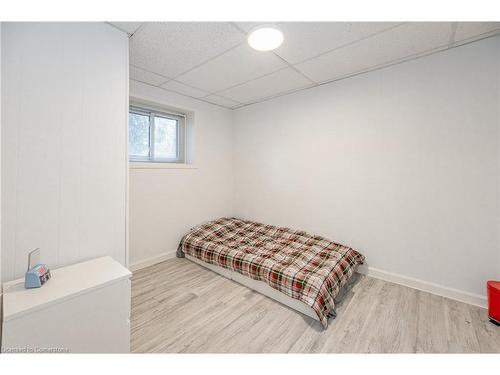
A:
(65, 282)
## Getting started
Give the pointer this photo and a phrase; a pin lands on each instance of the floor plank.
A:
(181, 307)
(462, 336)
(432, 336)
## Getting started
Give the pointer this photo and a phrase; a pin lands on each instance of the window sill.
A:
(157, 165)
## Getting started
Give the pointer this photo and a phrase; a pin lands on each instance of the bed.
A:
(301, 270)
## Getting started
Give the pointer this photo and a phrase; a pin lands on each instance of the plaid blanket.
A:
(306, 267)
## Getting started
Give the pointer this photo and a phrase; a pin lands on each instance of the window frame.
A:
(152, 113)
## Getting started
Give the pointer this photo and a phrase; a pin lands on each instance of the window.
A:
(156, 136)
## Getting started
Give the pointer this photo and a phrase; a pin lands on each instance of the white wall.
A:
(498, 149)
(64, 101)
(0, 166)
(400, 163)
(1, 286)
(166, 203)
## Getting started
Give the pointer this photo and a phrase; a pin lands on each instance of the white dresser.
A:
(83, 308)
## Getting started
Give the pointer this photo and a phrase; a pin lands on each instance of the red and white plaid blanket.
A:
(306, 267)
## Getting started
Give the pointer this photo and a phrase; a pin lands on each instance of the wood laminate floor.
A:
(178, 306)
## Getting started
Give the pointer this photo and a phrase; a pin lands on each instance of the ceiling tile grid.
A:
(224, 102)
(234, 67)
(378, 50)
(280, 82)
(467, 30)
(304, 40)
(128, 27)
(184, 89)
(142, 75)
(212, 61)
(172, 48)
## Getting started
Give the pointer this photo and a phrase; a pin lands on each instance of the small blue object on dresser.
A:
(37, 273)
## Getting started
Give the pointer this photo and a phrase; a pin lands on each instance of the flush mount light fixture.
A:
(265, 38)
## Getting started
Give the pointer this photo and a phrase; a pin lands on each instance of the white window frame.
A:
(181, 134)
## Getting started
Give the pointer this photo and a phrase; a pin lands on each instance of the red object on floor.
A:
(494, 301)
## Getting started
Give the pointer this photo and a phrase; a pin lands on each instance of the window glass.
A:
(138, 125)
(156, 136)
(165, 138)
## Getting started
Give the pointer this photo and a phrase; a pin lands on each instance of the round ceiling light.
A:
(265, 38)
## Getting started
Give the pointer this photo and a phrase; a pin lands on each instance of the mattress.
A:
(303, 266)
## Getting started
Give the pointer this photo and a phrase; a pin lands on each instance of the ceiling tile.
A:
(142, 75)
(236, 66)
(390, 46)
(248, 26)
(184, 89)
(279, 82)
(468, 30)
(128, 27)
(171, 48)
(216, 99)
(304, 40)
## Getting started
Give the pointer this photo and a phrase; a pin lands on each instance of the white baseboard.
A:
(458, 295)
(151, 261)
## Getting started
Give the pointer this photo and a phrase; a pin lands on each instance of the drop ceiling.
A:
(212, 61)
